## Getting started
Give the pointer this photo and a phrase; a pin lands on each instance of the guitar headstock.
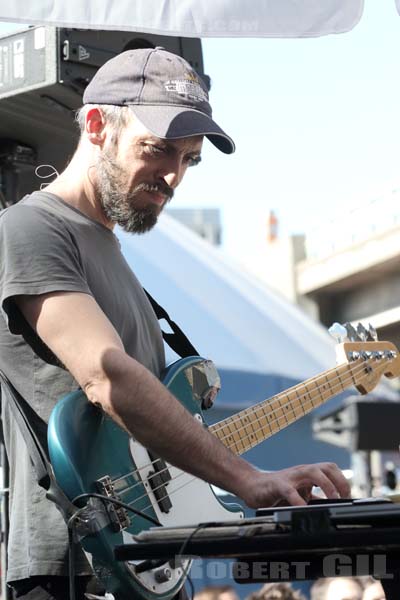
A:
(360, 348)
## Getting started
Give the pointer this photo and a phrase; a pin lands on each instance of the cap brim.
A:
(174, 122)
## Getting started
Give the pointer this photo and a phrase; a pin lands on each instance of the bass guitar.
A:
(92, 455)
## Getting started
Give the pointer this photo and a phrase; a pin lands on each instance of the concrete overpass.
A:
(352, 267)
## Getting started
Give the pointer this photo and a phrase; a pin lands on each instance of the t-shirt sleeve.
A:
(38, 255)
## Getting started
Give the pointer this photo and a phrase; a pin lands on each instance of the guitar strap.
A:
(177, 340)
(34, 431)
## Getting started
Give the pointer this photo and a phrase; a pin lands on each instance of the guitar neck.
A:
(251, 426)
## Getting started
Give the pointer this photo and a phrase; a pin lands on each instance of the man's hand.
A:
(293, 486)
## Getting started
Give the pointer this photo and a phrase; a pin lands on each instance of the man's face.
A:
(136, 175)
(344, 589)
(374, 592)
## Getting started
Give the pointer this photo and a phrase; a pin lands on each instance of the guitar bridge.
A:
(119, 518)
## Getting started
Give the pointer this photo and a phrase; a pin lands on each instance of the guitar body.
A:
(92, 454)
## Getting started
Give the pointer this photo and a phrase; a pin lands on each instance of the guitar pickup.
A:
(158, 480)
(119, 518)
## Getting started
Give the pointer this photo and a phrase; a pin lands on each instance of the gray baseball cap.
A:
(163, 91)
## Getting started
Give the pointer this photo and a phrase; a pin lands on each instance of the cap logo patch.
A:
(188, 87)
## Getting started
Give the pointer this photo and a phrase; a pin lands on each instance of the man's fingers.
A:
(326, 485)
(337, 478)
(330, 479)
(290, 497)
(294, 485)
(327, 476)
(294, 499)
(306, 493)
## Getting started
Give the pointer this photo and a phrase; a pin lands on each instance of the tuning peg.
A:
(338, 332)
(363, 333)
(352, 333)
(372, 332)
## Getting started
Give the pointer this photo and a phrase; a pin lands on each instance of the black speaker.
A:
(43, 73)
(361, 425)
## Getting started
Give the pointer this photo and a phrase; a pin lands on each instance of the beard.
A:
(120, 204)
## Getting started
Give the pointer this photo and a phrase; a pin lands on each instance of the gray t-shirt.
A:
(47, 246)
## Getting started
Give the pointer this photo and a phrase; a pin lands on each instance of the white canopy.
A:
(194, 18)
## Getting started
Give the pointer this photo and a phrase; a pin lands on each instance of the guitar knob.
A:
(163, 575)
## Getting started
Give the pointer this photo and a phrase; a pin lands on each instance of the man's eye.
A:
(193, 161)
(152, 149)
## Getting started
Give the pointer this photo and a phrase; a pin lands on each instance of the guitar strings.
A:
(172, 492)
(273, 400)
(176, 489)
(293, 391)
(352, 372)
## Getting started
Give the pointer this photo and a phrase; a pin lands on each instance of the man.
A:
(73, 314)
(276, 591)
(337, 588)
(374, 591)
(217, 592)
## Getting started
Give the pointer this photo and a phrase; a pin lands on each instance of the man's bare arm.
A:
(74, 327)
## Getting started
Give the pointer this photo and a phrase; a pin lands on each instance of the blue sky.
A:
(316, 124)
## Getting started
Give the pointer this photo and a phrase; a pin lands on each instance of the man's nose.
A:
(173, 173)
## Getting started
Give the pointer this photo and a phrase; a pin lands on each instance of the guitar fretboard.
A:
(249, 427)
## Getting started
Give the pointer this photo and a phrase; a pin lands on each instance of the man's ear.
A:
(95, 126)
